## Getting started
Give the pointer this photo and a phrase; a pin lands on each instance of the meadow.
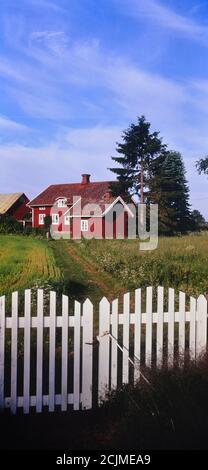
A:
(25, 262)
(178, 262)
(93, 268)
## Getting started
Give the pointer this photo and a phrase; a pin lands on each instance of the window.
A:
(67, 220)
(41, 219)
(55, 219)
(84, 225)
(41, 208)
(62, 202)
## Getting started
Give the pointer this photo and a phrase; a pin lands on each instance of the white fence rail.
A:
(139, 338)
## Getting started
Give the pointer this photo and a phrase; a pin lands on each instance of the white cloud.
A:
(165, 17)
(72, 152)
(9, 125)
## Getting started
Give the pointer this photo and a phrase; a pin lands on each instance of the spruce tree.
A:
(202, 165)
(137, 150)
(169, 189)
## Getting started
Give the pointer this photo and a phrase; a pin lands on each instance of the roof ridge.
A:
(86, 184)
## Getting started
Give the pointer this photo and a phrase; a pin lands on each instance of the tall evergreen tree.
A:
(138, 149)
(169, 189)
(202, 165)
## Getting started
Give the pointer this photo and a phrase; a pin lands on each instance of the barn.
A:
(86, 209)
(14, 205)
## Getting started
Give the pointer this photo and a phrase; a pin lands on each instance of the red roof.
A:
(89, 192)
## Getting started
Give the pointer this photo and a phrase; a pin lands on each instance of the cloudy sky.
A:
(75, 73)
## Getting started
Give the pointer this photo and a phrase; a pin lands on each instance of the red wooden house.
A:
(83, 209)
(14, 205)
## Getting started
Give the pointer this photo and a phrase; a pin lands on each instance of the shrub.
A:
(10, 225)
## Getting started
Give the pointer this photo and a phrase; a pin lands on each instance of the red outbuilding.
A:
(14, 205)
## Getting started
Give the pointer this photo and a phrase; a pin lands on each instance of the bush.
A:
(169, 413)
(36, 232)
(10, 225)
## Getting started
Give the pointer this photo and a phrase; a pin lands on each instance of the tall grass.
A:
(25, 262)
(180, 262)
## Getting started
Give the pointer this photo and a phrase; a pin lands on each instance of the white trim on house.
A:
(84, 225)
(67, 219)
(55, 219)
(62, 202)
(41, 218)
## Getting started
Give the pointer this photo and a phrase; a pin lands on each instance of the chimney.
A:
(107, 195)
(85, 178)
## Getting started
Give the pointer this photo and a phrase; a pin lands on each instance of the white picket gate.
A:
(130, 333)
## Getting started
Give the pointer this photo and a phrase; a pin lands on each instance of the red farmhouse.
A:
(83, 209)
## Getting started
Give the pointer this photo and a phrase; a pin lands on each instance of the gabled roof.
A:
(89, 193)
(8, 200)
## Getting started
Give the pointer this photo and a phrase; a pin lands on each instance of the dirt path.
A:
(81, 276)
(106, 284)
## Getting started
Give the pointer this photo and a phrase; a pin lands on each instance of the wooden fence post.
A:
(104, 349)
(39, 355)
(14, 342)
(201, 326)
(137, 334)
(2, 349)
(52, 350)
(77, 345)
(87, 354)
(160, 320)
(27, 326)
(192, 329)
(126, 321)
(114, 346)
(64, 353)
(182, 324)
(148, 340)
(171, 325)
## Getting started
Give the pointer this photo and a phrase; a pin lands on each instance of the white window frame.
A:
(41, 218)
(55, 219)
(41, 208)
(84, 225)
(62, 202)
(67, 220)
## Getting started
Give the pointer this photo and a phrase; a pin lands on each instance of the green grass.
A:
(25, 262)
(103, 267)
(180, 262)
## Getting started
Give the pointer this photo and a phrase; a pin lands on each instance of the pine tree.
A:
(169, 189)
(202, 165)
(138, 149)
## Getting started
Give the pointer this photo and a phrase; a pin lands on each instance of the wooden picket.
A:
(39, 367)
(160, 321)
(2, 349)
(104, 349)
(87, 354)
(114, 341)
(88, 344)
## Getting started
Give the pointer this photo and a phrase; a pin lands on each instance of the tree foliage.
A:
(169, 189)
(138, 148)
(202, 165)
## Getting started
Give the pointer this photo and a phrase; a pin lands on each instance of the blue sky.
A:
(75, 73)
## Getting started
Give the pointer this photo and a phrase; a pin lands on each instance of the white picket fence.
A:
(184, 329)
